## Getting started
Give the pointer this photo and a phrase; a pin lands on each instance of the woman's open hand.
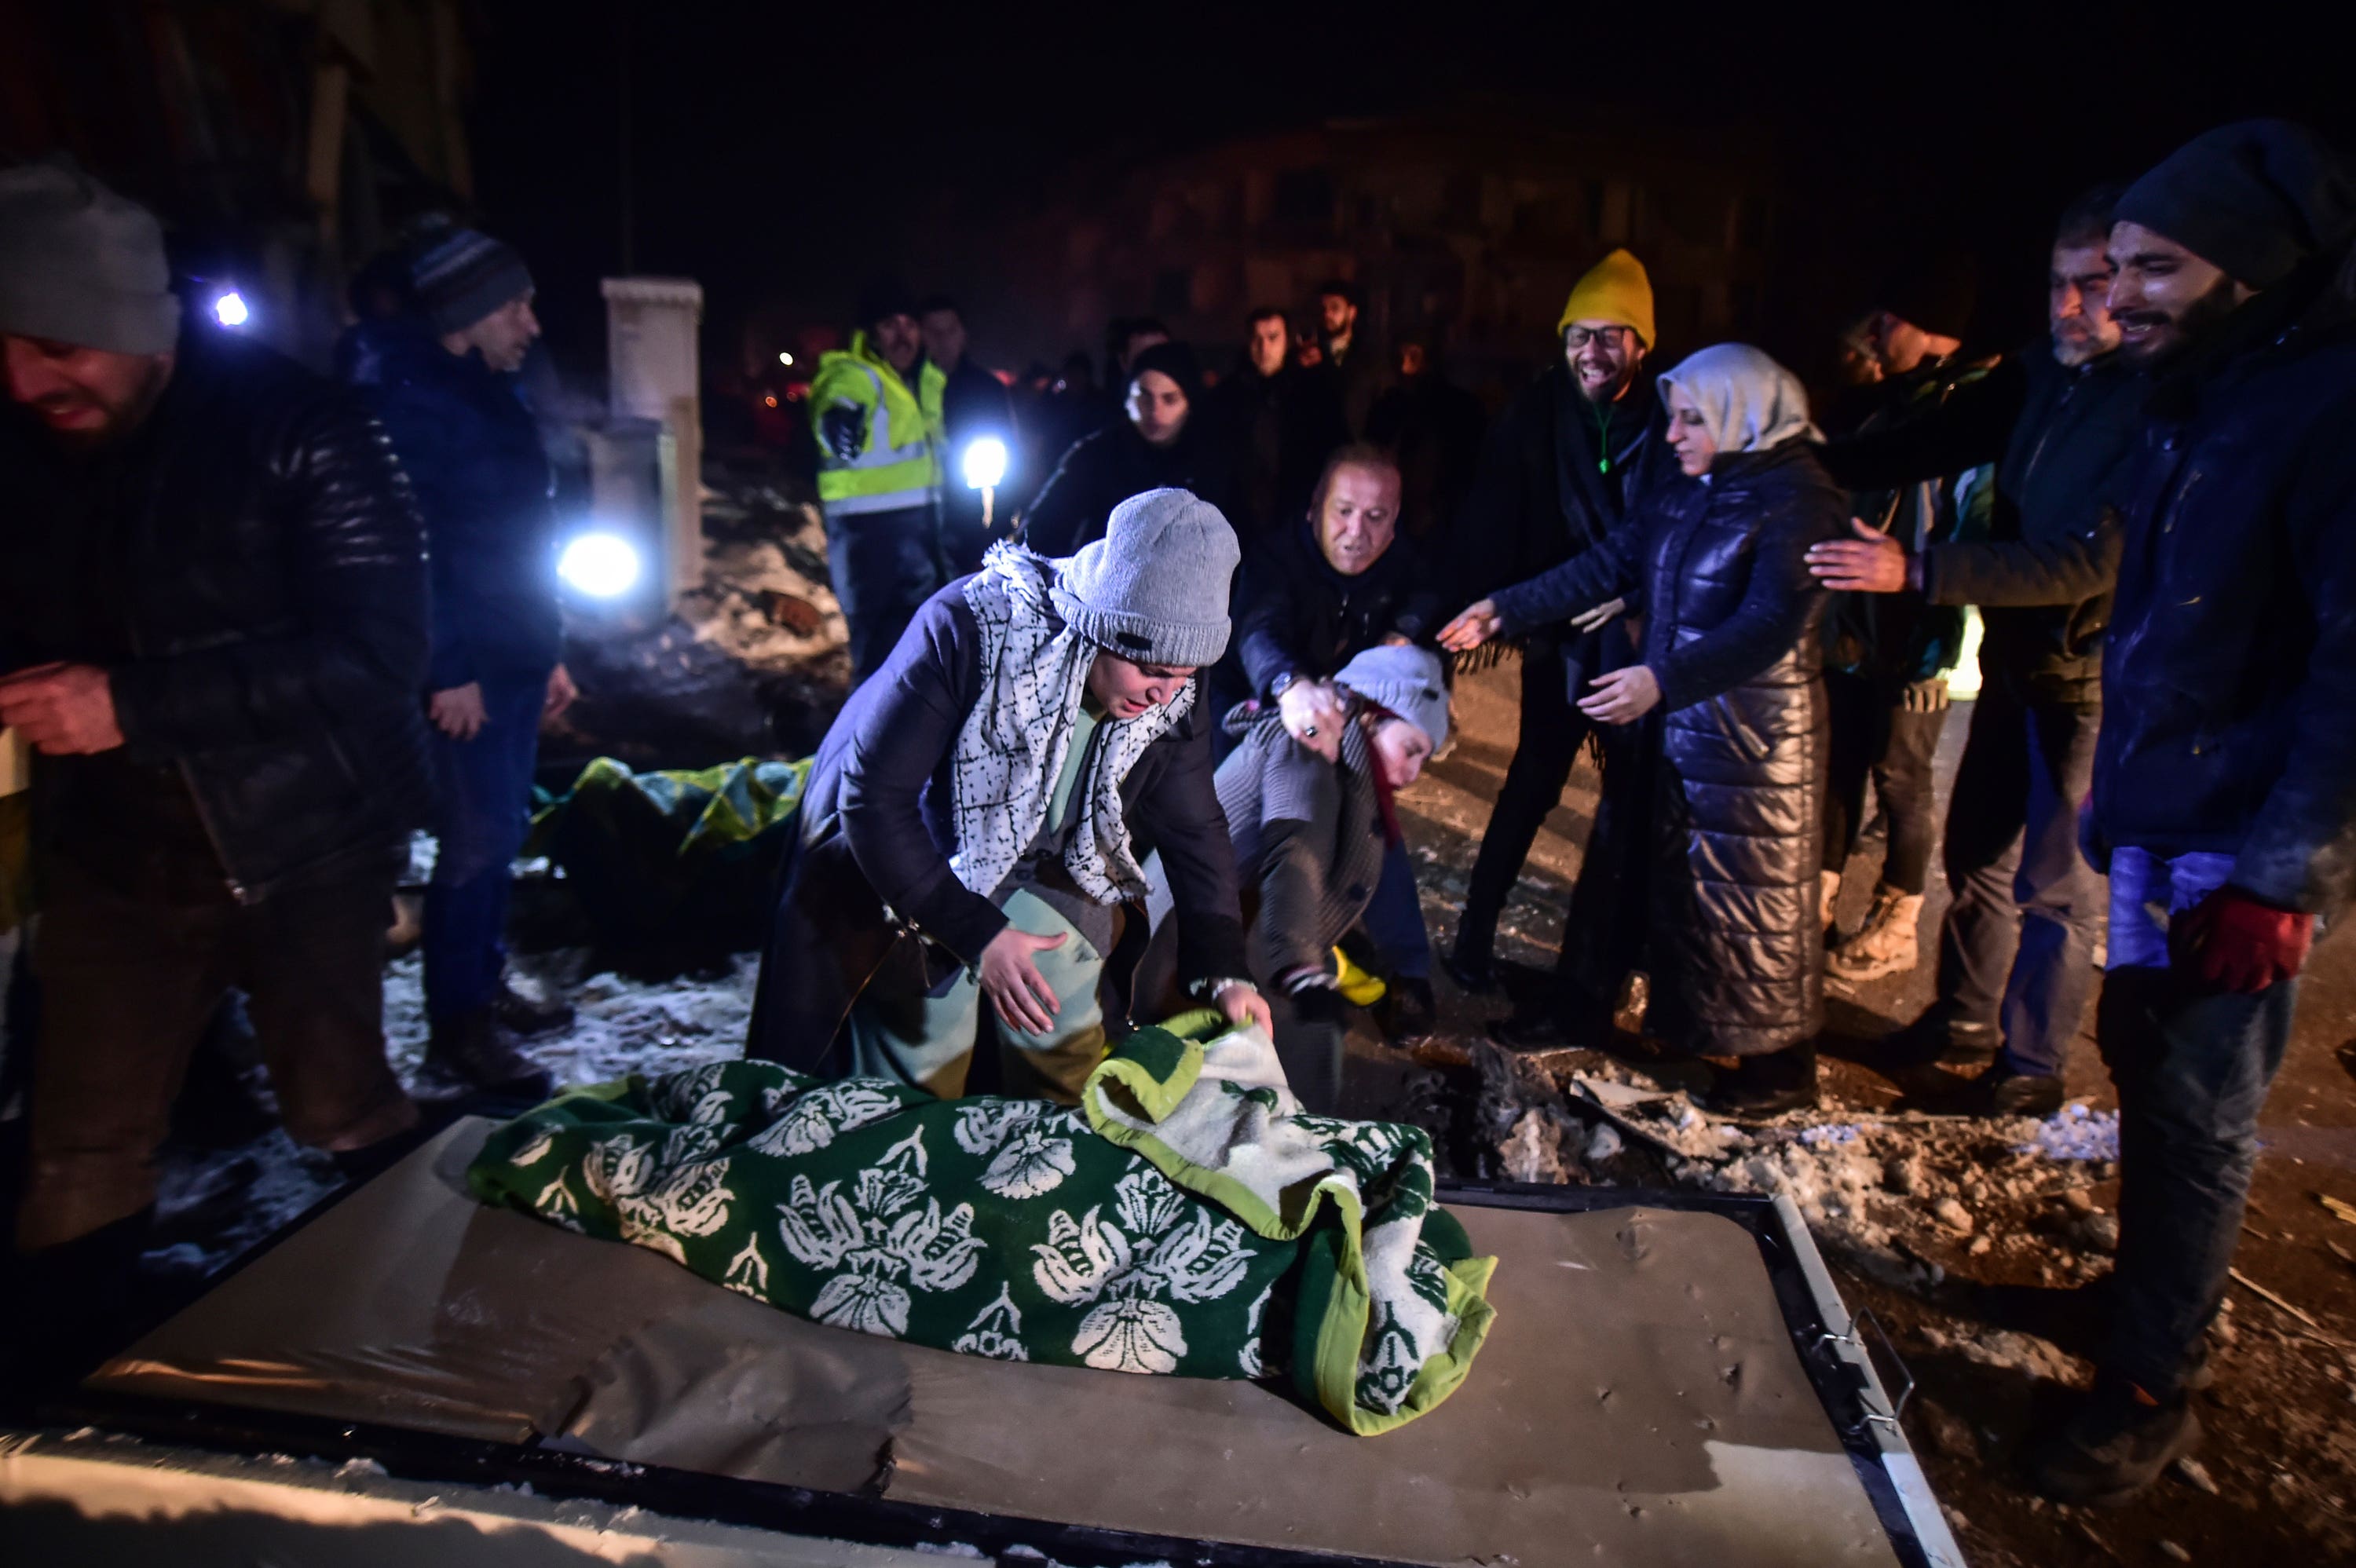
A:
(1622, 697)
(1477, 625)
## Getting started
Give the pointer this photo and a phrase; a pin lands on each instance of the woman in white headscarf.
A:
(1718, 570)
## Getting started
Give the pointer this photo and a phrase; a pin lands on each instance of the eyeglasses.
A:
(1578, 337)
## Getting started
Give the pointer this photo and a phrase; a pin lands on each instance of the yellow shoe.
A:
(1355, 984)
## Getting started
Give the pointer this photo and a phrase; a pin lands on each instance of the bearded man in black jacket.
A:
(213, 630)
(1565, 465)
(2016, 951)
(2224, 799)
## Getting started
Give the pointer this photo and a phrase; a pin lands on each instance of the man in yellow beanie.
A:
(1565, 464)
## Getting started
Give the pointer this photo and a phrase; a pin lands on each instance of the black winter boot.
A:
(2118, 1442)
(1770, 1084)
(473, 1048)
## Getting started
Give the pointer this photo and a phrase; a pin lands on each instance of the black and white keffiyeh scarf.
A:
(1035, 672)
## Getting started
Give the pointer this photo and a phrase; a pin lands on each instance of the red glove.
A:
(2234, 942)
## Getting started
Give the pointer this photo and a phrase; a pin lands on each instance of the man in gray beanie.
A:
(212, 634)
(2225, 774)
(978, 815)
(442, 379)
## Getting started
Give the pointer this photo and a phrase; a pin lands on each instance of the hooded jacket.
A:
(2062, 439)
(2231, 670)
(484, 487)
(1731, 633)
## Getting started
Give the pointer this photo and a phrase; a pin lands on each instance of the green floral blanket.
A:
(1187, 1219)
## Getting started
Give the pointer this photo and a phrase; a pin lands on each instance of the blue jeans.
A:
(885, 565)
(2017, 947)
(2192, 1065)
(1394, 918)
(482, 803)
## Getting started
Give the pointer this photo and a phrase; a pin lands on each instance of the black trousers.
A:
(129, 981)
(1551, 731)
(2017, 948)
(1876, 737)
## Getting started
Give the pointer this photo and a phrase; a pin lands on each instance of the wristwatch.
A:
(1282, 684)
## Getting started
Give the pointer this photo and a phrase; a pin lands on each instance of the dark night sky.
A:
(768, 140)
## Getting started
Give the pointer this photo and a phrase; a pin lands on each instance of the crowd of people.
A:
(1140, 748)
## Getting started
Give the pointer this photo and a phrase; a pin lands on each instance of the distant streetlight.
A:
(599, 565)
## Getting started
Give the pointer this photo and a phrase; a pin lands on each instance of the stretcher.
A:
(408, 1377)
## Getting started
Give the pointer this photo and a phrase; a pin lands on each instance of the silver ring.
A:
(1310, 730)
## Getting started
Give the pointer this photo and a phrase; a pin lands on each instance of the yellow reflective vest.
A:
(899, 463)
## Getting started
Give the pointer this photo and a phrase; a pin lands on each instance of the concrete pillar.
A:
(650, 347)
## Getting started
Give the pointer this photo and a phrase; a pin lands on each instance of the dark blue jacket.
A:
(1731, 632)
(2230, 679)
(474, 456)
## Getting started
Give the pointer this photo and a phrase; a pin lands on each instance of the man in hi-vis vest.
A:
(875, 410)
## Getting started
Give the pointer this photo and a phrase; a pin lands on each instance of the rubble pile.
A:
(1898, 1197)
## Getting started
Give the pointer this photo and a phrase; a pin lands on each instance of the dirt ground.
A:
(1984, 1264)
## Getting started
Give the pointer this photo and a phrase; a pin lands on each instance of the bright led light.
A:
(229, 309)
(985, 463)
(785, 358)
(602, 565)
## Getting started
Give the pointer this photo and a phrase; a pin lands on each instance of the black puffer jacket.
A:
(868, 879)
(261, 608)
(1731, 635)
(2231, 670)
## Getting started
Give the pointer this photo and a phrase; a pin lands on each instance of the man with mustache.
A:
(2016, 950)
(213, 633)
(2224, 790)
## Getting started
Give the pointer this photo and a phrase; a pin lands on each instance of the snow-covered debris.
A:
(2073, 1131)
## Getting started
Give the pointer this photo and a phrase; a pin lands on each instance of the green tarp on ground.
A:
(674, 861)
(1188, 1219)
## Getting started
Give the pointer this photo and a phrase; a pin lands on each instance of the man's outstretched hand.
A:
(1244, 1006)
(458, 711)
(1023, 1000)
(1872, 563)
(62, 709)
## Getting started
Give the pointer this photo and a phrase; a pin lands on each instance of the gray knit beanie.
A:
(1154, 589)
(80, 264)
(1407, 680)
(464, 275)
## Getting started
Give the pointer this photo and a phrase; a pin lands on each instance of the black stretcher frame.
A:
(1835, 1358)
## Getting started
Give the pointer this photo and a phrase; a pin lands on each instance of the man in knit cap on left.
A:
(442, 379)
(213, 635)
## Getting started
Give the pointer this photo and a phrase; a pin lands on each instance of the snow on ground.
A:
(215, 1204)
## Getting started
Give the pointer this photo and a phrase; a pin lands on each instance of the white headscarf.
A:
(1748, 402)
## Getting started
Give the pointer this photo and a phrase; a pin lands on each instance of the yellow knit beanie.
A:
(1615, 289)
